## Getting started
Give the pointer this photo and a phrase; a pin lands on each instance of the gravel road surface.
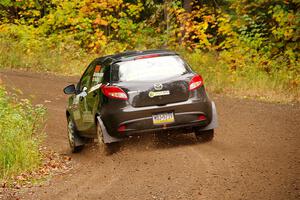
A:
(255, 154)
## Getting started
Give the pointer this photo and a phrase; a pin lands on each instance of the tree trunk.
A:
(166, 18)
(166, 14)
(187, 5)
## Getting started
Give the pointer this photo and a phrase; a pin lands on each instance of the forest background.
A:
(247, 48)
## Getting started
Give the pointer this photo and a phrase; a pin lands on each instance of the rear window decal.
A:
(97, 77)
(97, 68)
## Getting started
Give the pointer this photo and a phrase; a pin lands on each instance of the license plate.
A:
(163, 118)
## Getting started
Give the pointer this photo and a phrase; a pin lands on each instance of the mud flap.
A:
(106, 137)
(214, 122)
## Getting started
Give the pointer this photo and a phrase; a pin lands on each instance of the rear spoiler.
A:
(144, 56)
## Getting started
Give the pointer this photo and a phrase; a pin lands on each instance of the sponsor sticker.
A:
(160, 93)
(76, 100)
(76, 115)
(87, 116)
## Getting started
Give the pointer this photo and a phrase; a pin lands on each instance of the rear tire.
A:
(72, 133)
(110, 148)
(205, 136)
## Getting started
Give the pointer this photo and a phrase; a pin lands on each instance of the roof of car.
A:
(128, 55)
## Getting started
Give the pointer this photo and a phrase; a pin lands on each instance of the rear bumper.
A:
(137, 120)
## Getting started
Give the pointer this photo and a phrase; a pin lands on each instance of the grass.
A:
(64, 59)
(245, 79)
(19, 135)
(237, 72)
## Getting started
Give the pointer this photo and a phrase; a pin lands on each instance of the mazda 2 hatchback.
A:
(134, 92)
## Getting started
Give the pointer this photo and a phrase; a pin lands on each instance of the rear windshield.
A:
(148, 69)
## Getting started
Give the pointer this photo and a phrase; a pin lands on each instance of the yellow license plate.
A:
(163, 118)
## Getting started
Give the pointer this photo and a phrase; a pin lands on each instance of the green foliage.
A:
(245, 37)
(19, 138)
(204, 27)
(270, 26)
(21, 47)
(238, 72)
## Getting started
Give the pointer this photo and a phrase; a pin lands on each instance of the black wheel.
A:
(72, 133)
(207, 135)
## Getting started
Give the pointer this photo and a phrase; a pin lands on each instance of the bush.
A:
(19, 135)
(247, 74)
(23, 47)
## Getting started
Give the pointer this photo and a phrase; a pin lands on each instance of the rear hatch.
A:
(148, 93)
(153, 81)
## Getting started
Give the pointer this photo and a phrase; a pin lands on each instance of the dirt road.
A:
(255, 154)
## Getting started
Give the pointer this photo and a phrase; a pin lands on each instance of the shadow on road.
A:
(147, 142)
(170, 140)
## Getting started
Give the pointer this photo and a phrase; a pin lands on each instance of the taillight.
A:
(196, 82)
(122, 128)
(114, 92)
(201, 117)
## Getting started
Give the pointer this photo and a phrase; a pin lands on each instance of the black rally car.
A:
(139, 91)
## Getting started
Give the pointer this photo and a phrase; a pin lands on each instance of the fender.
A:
(106, 137)
(214, 122)
(77, 139)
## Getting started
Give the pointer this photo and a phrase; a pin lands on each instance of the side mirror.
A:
(70, 89)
